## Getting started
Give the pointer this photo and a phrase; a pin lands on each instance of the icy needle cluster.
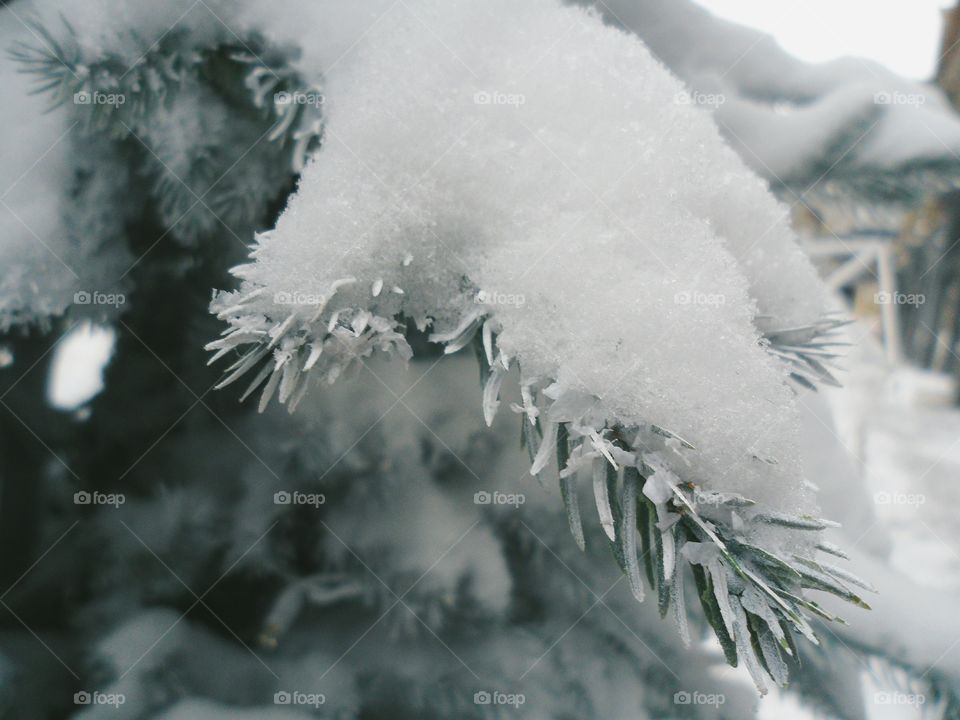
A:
(623, 250)
(543, 187)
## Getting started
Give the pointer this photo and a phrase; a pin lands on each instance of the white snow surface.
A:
(548, 159)
(787, 117)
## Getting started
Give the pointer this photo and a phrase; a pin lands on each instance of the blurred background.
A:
(847, 108)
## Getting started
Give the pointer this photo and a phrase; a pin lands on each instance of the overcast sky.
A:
(904, 35)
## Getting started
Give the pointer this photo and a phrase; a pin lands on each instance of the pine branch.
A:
(840, 177)
(881, 189)
(933, 693)
(179, 110)
(113, 97)
(809, 351)
(753, 596)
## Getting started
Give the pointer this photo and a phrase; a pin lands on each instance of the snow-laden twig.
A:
(631, 312)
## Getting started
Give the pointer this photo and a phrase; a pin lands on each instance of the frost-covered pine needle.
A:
(642, 328)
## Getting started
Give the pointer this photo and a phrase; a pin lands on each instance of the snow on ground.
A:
(900, 426)
(902, 433)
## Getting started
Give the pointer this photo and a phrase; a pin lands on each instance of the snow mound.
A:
(599, 235)
(623, 248)
(847, 128)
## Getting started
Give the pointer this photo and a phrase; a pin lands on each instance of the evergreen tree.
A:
(360, 185)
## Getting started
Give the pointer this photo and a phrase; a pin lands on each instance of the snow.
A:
(787, 116)
(876, 127)
(76, 372)
(899, 429)
(883, 450)
(901, 36)
(623, 251)
(33, 177)
(334, 27)
(641, 245)
(786, 142)
(780, 705)
(53, 228)
(738, 57)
